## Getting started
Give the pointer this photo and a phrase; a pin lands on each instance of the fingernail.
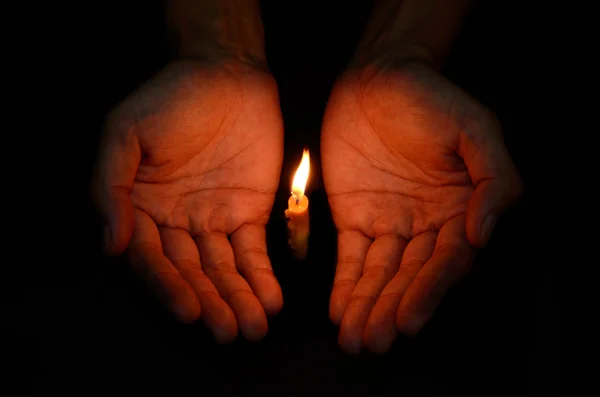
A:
(487, 227)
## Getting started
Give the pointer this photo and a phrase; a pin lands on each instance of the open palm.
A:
(186, 180)
(416, 173)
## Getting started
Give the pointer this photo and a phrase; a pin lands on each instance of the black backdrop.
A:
(77, 322)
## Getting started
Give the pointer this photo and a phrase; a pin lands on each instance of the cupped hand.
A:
(186, 178)
(417, 174)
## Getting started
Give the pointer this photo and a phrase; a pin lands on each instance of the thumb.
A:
(493, 173)
(118, 160)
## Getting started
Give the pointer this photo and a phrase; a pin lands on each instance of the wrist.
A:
(220, 31)
(394, 55)
(215, 52)
(411, 30)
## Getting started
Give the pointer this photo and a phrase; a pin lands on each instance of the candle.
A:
(297, 211)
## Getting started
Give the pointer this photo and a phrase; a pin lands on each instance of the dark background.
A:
(76, 322)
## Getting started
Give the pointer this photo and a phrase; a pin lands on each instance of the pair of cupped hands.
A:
(415, 170)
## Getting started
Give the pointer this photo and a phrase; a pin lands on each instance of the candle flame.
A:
(299, 183)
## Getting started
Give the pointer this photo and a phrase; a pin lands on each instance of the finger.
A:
(493, 173)
(381, 264)
(352, 252)
(152, 266)
(451, 259)
(218, 263)
(181, 249)
(250, 250)
(381, 331)
(118, 160)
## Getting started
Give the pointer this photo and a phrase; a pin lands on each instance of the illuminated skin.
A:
(188, 169)
(190, 159)
(416, 173)
(413, 167)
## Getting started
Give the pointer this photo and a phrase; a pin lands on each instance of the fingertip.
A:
(488, 201)
(352, 329)
(350, 344)
(218, 317)
(111, 247)
(487, 227)
(186, 307)
(177, 296)
(269, 295)
(474, 225)
(227, 331)
(479, 229)
(380, 333)
(335, 314)
(187, 315)
(272, 303)
(255, 331)
(114, 247)
(378, 344)
(409, 323)
(119, 229)
(225, 338)
(252, 319)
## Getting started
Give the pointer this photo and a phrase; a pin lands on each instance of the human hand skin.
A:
(185, 181)
(417, 174)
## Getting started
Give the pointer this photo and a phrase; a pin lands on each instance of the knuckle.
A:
(189, 265)
(446, 248)
(412, 266)
(360, 300)
(375, 271)
(239, 292)
(263, 271)
(222, 267)
(344, 282)
(345, 260)
(391, 295)
(137, 250)
(254, 251)
(208, 293)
